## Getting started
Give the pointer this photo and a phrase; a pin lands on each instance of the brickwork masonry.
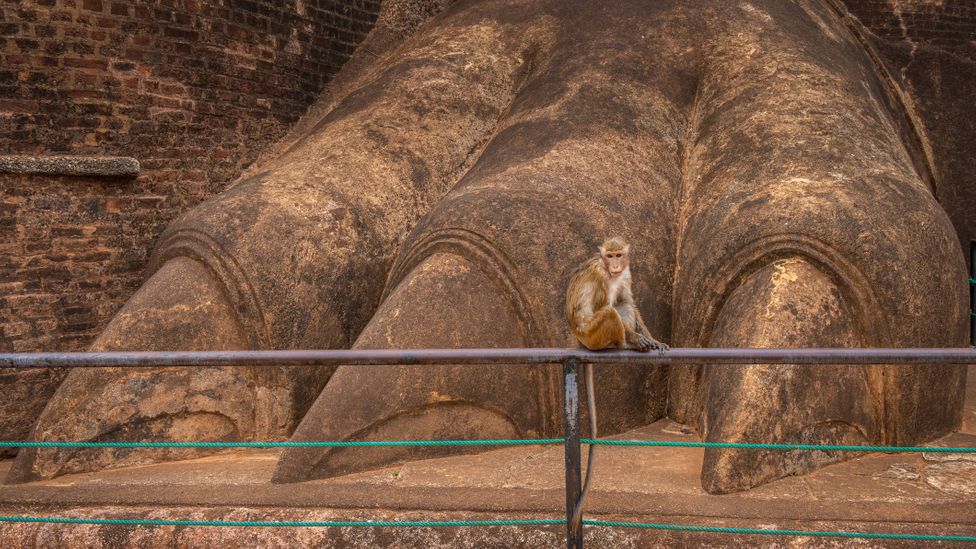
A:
(192, 89)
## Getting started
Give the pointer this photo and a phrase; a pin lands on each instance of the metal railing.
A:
(498, 357)
(571, 360)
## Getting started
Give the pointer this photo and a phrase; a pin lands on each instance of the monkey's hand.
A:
(643, 343)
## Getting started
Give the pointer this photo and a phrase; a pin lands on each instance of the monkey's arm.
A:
(643, 332)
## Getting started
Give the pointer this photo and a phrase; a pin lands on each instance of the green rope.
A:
(286, 523)
(282, 444)
(751, 446)
(476, 523)
(972, 281)
(771, 532)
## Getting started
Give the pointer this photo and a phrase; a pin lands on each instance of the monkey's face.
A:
(615, 262)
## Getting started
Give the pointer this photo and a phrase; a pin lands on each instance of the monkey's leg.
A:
(604, 330)
(807, 224)
(297, 253)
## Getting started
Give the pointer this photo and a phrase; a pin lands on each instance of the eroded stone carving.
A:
(750, 151)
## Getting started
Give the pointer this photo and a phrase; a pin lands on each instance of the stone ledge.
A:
(889, 493)
(85, 166)
(480, 537)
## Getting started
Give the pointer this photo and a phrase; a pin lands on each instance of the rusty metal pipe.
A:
(571, 434)
(379, 357)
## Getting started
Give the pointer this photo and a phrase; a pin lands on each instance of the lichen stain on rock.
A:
(957, 478)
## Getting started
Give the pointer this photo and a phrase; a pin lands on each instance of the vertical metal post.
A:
(972, 292)
(571, 431)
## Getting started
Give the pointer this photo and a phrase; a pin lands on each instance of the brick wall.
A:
(193, 89)
(946, 24)
(76, 254)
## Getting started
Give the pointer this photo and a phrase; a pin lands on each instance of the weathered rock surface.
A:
(295, 255)
(751, 151)
(927, 50)
(23, 395)
(757, 195)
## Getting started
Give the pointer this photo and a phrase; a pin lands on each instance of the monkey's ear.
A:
(603, 251)
(627, 249)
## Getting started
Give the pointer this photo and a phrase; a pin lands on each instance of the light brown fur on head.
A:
(614, 244)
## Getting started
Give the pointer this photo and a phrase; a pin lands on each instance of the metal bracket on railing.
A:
(571, 432)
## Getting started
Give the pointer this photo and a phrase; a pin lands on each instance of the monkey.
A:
(600, 304)
(601, 311)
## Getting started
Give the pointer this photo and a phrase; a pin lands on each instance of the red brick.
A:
(80, 63)
(17, 105)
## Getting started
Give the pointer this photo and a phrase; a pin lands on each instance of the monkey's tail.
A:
(591, 452)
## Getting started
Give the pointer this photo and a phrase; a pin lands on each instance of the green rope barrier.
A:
(281, 444)
(477, 523)
(772, 532)
(751, 446)
(286, 523)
